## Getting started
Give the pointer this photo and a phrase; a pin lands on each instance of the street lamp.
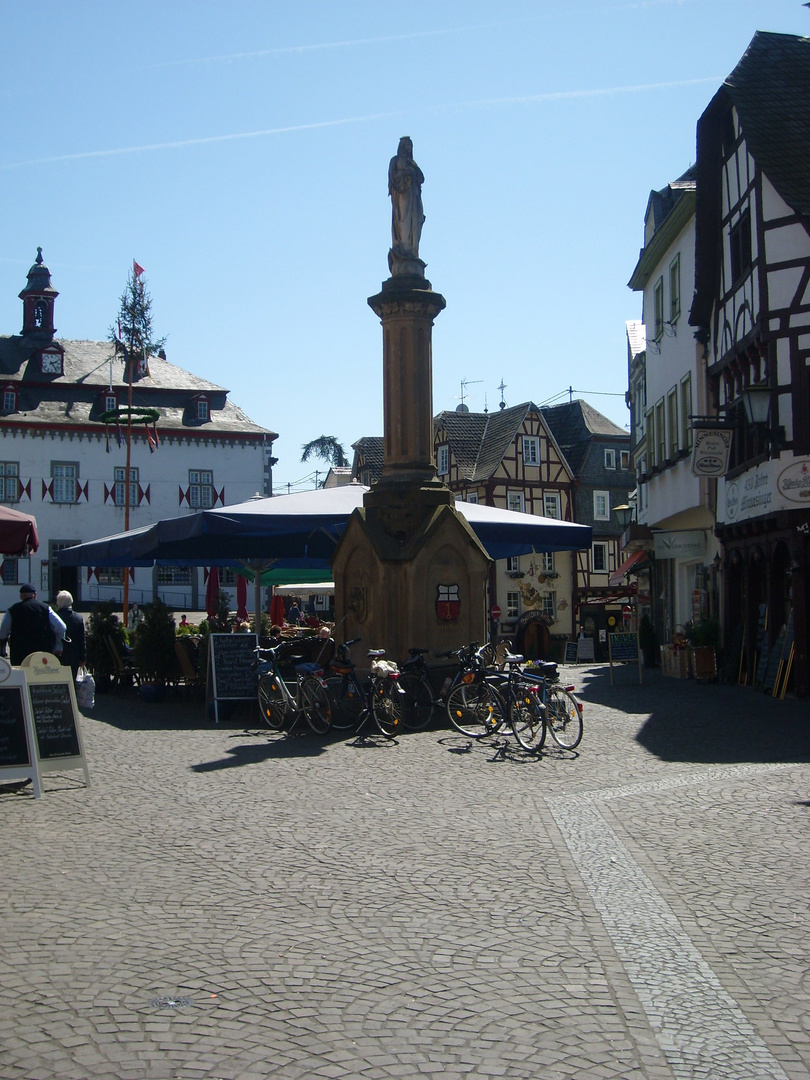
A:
(757, 403)
(624, 515)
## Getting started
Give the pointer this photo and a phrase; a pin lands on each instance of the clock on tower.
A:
(51, 363)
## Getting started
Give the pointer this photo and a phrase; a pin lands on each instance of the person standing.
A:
(31, 626)
(135, 617)
(74, 651)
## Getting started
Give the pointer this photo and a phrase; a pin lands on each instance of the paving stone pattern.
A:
(224, 903)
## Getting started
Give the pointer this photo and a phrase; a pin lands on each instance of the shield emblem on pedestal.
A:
(448, 604)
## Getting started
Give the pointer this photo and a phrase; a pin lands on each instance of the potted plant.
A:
(154, 650)
(102, 625)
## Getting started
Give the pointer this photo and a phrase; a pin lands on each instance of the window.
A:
(547, 562)
(472, 496)
(658, 308)
(110, 575)
(64, 481)
(601, 505)
(551, 505)
(610, 459)
(174, 575)
(443, 460)
(110, 403)
(10, 571)
(672, 422)
(549, 604)
(9, 401)
(227, 577)
(651, 436)
(740, 246)
(202, 409)
(365, 478)
(200, 489)
(674, 289)
(599, 557)
(686, 412)
(531, 450)
(119, 489)
(660, 433)
(9, 481)
(625, 459)
(513, 563)
(512, 605)
(514, 501)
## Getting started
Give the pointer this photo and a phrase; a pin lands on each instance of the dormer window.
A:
(202, 409)
(110, 402)
(9, 400)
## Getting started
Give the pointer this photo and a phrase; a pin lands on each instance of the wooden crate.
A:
(674, 662)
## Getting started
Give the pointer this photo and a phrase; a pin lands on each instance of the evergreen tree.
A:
(327, 448)
(132, 330)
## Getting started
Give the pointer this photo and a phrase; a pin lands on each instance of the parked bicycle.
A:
(280, 698)
(418, 700)
(473, 705)
(355, 703)
(561, 709)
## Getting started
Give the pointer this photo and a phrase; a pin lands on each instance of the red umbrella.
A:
(277, 611)
(241, 598)
(212, 592)
(18, 532)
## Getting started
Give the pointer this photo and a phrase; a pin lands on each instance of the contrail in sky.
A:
(524, 99)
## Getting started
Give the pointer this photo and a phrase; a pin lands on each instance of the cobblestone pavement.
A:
(226, 903)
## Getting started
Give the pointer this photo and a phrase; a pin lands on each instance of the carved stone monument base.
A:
(410, 572)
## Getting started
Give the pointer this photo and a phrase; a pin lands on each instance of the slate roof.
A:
(636, 337)
(770, 87)
(371, 449)
(76, 398)
(574, 425)
(479, 441)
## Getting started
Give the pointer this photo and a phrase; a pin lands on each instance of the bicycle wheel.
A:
(563, 718)
(528, 719)
(386, 705)
(417, 701)
(317, 707)
(346, 701)
(475, 710)
(272, 705)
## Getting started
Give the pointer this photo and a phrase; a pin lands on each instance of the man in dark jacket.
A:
(74, 652)
(32, 627)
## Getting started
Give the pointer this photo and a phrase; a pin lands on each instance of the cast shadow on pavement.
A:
(706, 722)
(254, 753)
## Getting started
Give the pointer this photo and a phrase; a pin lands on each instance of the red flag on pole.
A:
(138, 269)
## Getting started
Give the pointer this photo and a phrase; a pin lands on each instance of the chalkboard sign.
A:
(623, 649)
(18, 759)
(52, 701)
(570, 652)
(13, 740)
(54, 720)
(585, 648)
(229, 668)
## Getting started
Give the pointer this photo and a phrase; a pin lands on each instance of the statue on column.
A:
(405, 180)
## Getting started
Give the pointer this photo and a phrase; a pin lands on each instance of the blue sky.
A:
(239, 152)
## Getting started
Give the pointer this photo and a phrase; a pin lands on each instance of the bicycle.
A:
(354, 704)
(418, 701)
(277, 701)
(563, 710)
(473, 706)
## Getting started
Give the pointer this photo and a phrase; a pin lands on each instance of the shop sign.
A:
(793, 483)
(710, 451)
(769, 487)
(690, 544)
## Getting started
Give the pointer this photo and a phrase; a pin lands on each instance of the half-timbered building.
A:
(751, 312)
(597, 452)
(511, 459)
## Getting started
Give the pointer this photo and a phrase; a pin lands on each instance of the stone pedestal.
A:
(409, 570)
